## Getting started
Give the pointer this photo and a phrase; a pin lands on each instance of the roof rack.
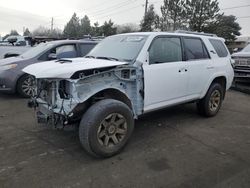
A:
(196, 33)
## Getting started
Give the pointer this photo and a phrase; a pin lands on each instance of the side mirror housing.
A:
(52, 56)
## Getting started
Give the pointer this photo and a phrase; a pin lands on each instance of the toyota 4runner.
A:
(126, 76)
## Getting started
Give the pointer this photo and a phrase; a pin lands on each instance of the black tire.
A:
(25, 85)
(92, 128)
(206, 106)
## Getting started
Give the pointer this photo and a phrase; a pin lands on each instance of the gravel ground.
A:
(169, 148)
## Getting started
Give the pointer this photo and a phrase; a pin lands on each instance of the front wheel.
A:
(210, 105)
(106, 128)
(26, 86)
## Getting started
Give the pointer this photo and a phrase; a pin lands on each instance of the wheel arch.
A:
(221, 79)
(116, 94)
(108, 93)
(18, 79)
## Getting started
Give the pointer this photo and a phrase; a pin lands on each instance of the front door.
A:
(166, 74)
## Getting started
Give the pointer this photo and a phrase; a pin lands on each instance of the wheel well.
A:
(222, 81)
(18, 79)
(112, 94)
(81, 108)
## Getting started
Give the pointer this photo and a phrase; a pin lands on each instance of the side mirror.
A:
(52, 56)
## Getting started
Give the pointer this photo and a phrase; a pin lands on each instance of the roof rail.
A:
(196, 33)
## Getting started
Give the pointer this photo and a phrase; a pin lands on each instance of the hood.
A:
(67, 67)
(241, 54)
(10, 60)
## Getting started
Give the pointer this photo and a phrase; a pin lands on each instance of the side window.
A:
(66, 51)
(195, 49)
(219, 47)
(165, 49)
(85, 48)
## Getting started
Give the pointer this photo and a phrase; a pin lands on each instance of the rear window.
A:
(219, 47)
(195, 49)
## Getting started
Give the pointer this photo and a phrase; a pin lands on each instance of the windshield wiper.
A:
(64, 61)
(108, 58)
(90, 56)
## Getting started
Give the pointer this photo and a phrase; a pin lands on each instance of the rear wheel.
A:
(211, 103)
(106, 127)
(26, 86)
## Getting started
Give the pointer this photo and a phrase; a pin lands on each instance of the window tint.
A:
(195, 49)
(219, 47)
(85, 48)
(165, 50)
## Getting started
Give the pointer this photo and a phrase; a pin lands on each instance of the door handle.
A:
(210, 67)
(182, 70)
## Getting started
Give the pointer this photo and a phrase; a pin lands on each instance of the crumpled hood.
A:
(241, 54)
(65, 69)
(10, 60)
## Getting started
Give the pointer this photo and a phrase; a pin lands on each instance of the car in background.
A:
(242, 65)
(13, 79)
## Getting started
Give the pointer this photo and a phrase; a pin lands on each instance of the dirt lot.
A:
(170, 148)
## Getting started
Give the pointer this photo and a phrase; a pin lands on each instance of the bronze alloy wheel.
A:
(106, 127)
(214, 101)
(112, 130)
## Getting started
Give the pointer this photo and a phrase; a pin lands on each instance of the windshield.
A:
(33, 52)
(119, 47)
(246, 49)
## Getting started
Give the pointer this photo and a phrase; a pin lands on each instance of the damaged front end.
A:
(53, 102)
(62, 102)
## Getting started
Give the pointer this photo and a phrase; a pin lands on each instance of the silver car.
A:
(13, 79)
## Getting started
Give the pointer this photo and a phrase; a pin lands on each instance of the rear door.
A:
(165, 76)
(199, 65)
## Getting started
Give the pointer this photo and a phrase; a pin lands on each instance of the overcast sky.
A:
(16, 14)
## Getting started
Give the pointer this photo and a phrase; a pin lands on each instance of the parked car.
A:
(242, 65)
(12, 51)
(13, 79)
(126, 76)
(10, 54)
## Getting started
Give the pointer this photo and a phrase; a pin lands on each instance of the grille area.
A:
(46, 90)
(244, 62)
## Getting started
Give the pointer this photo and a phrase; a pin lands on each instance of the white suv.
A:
(126, 76)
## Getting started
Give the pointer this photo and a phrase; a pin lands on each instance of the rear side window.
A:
(219, 47)
(86, 48)
(195, 49)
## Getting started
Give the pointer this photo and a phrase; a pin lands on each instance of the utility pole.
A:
(146, 8)
(52, 24)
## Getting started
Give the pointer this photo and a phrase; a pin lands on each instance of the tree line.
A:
(191, 15)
